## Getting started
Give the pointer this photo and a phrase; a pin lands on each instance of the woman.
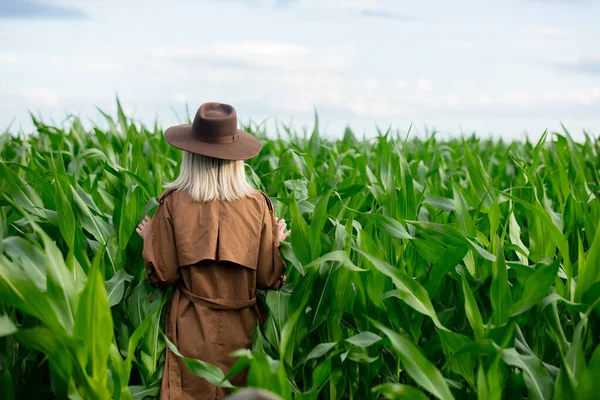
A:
(215, 239)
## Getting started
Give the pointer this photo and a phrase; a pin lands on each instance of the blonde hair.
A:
(206, 178)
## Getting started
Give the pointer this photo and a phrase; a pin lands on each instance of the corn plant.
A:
(417, 267)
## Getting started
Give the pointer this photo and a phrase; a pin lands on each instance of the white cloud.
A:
(291, 79)
(11, 59)
(457, 45)
(381, 9)
(296, 92)
(553, 40)
(361, 3)
(549, 31)
(180, 97)
(261, 55)
(371, 84)
(79, 63)
(372, 98)
(425, 84)
(128, 110)
(41, 96)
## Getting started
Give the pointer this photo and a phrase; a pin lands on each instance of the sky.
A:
(506, 68)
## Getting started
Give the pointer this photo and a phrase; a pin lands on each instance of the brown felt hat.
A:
(214, 133)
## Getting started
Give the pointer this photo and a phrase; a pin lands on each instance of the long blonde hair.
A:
(206, 178)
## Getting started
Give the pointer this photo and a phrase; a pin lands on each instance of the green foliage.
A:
(465, 268)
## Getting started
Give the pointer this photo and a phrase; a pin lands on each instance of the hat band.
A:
(220, 139)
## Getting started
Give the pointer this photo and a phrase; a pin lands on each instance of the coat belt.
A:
(217, 304)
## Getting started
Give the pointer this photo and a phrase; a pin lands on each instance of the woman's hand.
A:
(282, 280)
(281, 232)
(143, 227)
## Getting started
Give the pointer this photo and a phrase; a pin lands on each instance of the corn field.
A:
(417, 268)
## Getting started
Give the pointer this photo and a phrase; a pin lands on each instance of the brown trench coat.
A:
(216, 254)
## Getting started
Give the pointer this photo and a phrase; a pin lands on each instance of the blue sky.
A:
(505, 68)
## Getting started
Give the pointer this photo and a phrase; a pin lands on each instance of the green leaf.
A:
(301, 237)
(479, 179)
(131, 213)
(19, 291)
(399, 391)
(440, 202)
(407, 194)
(321, 374)
(140, 331)
(429, 250)
(318, 351)
(21, 192)
(538, 381)
(29, 257)
(65, 216)
(489, 383)
(93, 323)
(200, 368)
(471, 309)
(408, 289)
(451, 237)
(515, 238)
(95, 225)
(389, 226)
(499, 290)
(451, 257)
(417, 366)
(42, 339)
(337, 255)
(288, 254)
(364, 339)
(115, 286)
(316, 225)
(463, 218)
(536, 287)
(361, 358)
(244, 360)
(7, 327)
(462, 364)
(62, 290)
(141, 392)
(322, 301)
(7, 386)
(150, 205)
(555, 235)
(296, 326)
(589, 271)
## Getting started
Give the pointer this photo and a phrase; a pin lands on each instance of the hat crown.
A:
(214, 133)
(215, 120)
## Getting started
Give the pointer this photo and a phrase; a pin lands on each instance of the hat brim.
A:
(246, 146)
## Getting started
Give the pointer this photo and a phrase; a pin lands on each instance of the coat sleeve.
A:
(160, 253)
(271, 267)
